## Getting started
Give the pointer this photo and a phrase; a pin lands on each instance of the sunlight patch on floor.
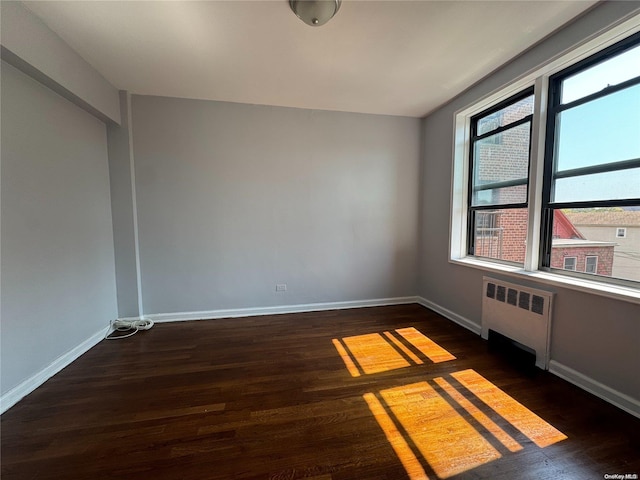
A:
(374, 354)
(476, 413)
(351, 367)
(445, 426)
(445, 439)
(424, 344)
(444, 434)
(408, 459)
(400, 346)
(530, 424)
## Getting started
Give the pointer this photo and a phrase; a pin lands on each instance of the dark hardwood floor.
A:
(325, 396)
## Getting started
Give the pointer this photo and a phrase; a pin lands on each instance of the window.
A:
(569, 263)
(592, 156)
(547, 168)
(499, 173)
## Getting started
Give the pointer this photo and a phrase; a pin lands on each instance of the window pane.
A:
(501, 196)
(602, 131)
(589, 235)
(512, 113)
(591, 265)
(611, 72)
(618, 185)
(501, 158)
(501, 234)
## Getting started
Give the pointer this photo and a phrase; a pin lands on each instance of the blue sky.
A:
(602, 131)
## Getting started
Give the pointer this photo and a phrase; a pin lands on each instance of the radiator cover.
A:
(520, 313)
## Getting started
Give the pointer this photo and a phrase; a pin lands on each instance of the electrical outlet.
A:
(281, 287)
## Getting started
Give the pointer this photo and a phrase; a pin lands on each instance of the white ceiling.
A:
(383, 57)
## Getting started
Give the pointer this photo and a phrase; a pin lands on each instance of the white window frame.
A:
(623, 230)
(539, 79)
(575, 263)
(586, 263)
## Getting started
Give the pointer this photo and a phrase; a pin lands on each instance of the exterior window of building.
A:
(547, 169)
(498, 185)
(592, 155)
(570, 263)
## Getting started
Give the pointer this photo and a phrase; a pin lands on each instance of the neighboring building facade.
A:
(619, 227)
(503, 233)
(580, 255)
(570, 250)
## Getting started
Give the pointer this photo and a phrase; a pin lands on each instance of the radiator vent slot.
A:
(520, 313)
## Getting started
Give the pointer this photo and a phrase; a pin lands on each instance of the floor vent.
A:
(520, 313)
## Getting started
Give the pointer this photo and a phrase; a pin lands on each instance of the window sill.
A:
(618, 292)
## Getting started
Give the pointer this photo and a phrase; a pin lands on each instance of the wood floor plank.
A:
(272, 397)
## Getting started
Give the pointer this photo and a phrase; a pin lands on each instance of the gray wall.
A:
(57, 280)
(123, 209)
(30, 45)
(233, 199)
(593, 335)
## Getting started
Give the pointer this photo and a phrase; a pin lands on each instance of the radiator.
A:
(520, 313)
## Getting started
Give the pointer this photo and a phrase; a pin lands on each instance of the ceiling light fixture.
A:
(315, 12)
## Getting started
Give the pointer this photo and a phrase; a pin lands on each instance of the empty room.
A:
(320, 239)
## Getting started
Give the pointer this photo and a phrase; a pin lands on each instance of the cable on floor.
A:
(128, 325)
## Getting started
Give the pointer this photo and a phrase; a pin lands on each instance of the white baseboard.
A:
(454, 317)
(14, 395)
(276, 310)
(20, 391)
(619, 399)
